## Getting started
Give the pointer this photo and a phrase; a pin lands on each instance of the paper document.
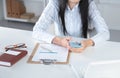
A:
(103, 69)
(51, 51)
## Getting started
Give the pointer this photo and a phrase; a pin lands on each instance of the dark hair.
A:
(83, 6)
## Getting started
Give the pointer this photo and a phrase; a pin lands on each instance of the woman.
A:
(71, 19)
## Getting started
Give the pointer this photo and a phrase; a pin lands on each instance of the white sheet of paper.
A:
(44, 51)
(12, 52)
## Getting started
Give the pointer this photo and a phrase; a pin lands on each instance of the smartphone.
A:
(75, 44)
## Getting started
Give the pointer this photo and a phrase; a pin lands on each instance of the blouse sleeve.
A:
(98, 23)
(46, 19)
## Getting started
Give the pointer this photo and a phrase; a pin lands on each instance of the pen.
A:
(50, 51)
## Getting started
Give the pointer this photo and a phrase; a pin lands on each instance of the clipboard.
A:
(39, 62)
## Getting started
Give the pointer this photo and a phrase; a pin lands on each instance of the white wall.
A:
(110, 10)
(1, 9)
(34, 6)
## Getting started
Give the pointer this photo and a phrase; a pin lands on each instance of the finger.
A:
(83, 44)
(68, 45)
(68, 38)
(76, 50)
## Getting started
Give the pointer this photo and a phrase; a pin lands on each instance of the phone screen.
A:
(75, 44)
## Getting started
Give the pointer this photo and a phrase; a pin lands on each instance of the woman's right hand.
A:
(62, 41)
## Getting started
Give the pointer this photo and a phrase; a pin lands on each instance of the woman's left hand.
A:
(85, 43)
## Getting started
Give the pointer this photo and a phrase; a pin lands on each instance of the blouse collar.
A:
(75, 7)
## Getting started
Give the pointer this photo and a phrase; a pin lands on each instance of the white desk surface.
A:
(105, 51)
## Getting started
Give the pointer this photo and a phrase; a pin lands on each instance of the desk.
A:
(22, 69)
(106, 51)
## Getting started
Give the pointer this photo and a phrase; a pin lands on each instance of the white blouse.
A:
(72, 23)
